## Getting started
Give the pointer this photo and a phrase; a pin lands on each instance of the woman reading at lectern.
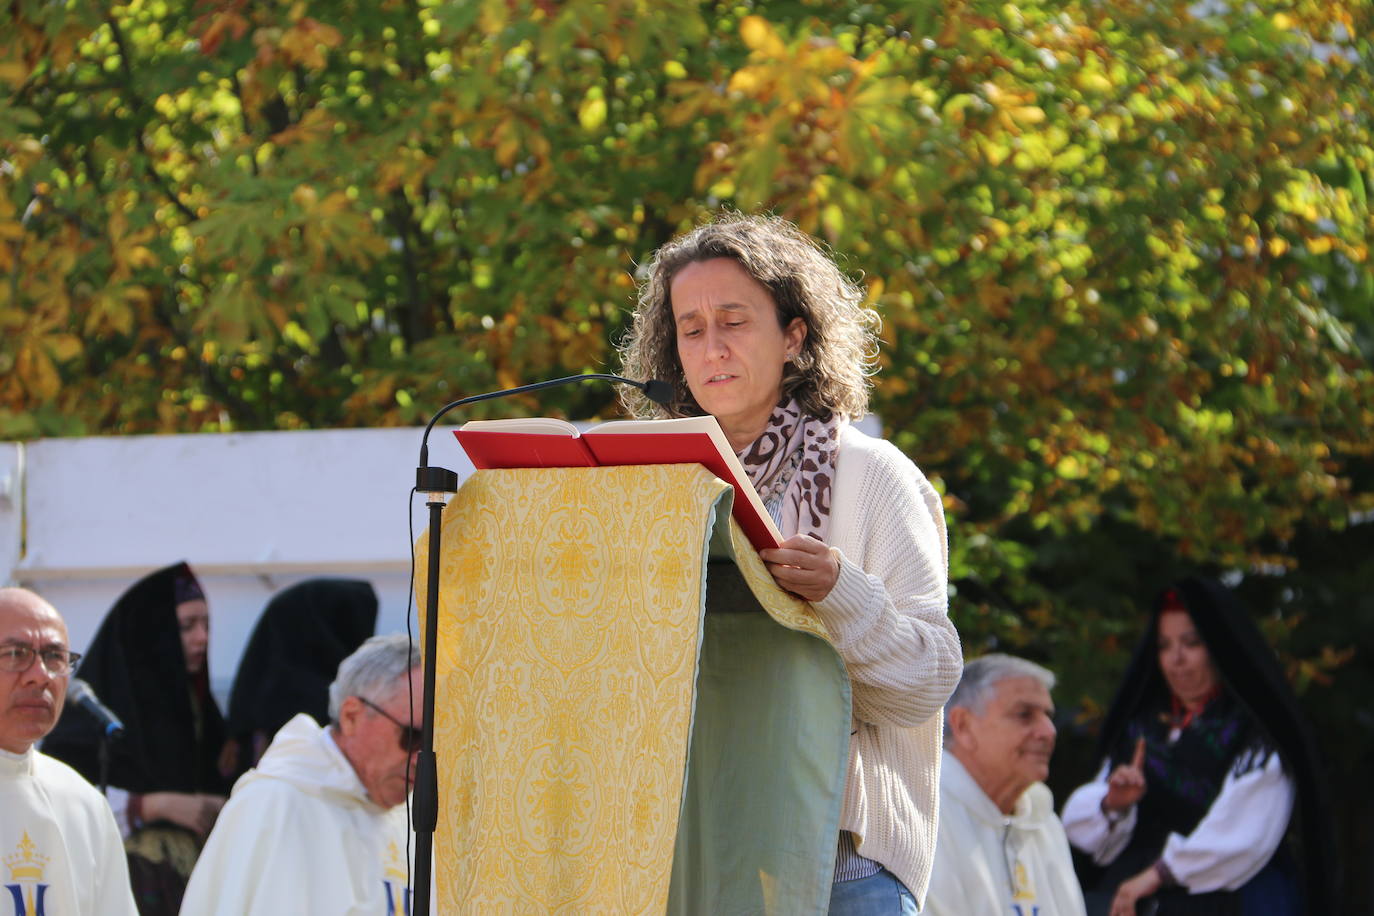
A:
(751, 322)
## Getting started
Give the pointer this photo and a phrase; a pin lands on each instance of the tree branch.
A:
(399, 213)
(243, 118)
(142, 105)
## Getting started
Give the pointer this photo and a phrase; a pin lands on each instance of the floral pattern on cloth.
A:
(570, 620)
(795, 455)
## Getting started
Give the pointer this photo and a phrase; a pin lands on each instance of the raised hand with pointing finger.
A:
(1126, 784)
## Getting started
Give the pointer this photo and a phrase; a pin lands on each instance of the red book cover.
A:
(491, 449)
(541, 442)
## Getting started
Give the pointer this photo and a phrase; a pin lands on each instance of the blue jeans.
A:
(877, 895)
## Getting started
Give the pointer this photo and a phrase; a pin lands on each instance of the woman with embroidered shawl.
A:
(751, 322)
(168, 774)
(1207, 761)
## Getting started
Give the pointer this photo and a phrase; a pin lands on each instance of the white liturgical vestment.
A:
(298, 835)
(60, 852)
(992, 864)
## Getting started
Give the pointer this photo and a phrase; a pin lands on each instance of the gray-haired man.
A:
(1001, 850)
(304, 831)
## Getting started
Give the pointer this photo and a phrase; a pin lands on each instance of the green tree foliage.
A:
(1121, 249)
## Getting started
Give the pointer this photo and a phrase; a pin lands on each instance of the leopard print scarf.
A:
(795, 456)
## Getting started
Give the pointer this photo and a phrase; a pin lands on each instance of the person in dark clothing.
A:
(1209, 769)
(169, 774)
(305, 631)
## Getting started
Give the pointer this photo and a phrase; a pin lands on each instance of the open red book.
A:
(543, 442)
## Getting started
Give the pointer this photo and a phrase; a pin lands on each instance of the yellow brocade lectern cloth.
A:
(570, 620)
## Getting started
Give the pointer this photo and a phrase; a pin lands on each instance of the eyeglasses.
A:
(410, 737)
(17, 658)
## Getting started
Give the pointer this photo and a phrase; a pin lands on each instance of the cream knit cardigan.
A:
(888, 616)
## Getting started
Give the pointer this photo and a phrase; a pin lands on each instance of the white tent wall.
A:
(81, 519)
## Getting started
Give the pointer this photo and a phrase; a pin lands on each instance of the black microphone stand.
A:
(104, 758)
(79, 693)
(436, 483)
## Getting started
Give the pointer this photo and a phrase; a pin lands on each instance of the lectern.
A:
(630, 716)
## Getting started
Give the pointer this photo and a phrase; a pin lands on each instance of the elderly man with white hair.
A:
(1001, 850)
(306, 830)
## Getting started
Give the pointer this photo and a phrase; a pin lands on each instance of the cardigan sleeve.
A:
(888, 612)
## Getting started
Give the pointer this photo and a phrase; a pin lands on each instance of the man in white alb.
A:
(60, 851)
(306, 830)
(1001, 851)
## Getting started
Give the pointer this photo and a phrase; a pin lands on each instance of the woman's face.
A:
(193, 619)
(1184, 660)
(730, 344)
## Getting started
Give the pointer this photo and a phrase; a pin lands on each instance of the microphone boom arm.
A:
(651, 389)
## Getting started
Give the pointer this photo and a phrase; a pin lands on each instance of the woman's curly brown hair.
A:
(830, 376)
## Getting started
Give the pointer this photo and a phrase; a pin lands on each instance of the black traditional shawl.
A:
(303, 634)
(136, 666)
(1257, 700)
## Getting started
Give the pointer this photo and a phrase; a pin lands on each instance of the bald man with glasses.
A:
(59, 844)
(306, 830)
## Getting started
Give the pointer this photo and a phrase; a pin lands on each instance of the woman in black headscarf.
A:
(168, 774)
(293, 655)
(1208, 764)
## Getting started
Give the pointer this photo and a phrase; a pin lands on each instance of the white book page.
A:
(706, 424)
(545, 426)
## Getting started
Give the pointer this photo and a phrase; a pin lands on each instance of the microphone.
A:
(85, 697)
(430, 480)
(658, 391)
